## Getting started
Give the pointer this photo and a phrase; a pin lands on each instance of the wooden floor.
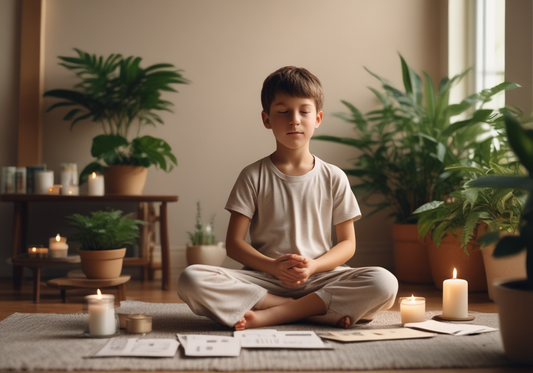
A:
(11, 302)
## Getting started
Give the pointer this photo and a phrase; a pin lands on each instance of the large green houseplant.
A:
(123, 97)
(404, 147)
(204, 248)
(515, 297)
(102, 235)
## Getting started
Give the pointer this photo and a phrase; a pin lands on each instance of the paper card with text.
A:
(363, 335)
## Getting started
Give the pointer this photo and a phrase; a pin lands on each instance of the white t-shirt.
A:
(293, 214)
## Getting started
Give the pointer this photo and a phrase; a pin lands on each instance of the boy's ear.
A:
(266, 120)
(319, 117)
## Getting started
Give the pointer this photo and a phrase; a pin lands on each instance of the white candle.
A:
(455, 298)
(54, 190)
(73, 190)
(43, 181)
(96, 185)
(58, 247)
(101, 314)
(413, 309)
(69, 176)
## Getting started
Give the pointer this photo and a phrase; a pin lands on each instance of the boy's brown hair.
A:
(292, 81)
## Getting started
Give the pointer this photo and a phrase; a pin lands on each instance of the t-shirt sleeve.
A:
(345, 206)
(243, 196)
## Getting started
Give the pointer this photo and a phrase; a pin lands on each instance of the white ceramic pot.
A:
(212, 255)
(515, 307)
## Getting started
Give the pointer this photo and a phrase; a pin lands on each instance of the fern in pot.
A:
(102, 235)
(204, 248)
(123, 98)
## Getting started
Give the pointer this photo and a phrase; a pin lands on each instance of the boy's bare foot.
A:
(271, 300)
(247, 321)
(345, 322)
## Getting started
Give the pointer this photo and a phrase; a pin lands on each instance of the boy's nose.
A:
(295, 119)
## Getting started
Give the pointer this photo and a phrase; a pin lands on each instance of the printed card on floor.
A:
(450, 328)
(209, 345)
(262, 338)
(139, 347)
(364, 335)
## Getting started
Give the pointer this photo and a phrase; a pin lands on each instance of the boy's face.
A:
(293, 120)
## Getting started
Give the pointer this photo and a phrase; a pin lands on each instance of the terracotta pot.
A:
(499, 268)
(212, 255)
(515, 307)
(102, 264)
(125, 180)
(410, 255)
(450, 255)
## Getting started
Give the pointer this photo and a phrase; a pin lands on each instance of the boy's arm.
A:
(336, 256)
(238, 249)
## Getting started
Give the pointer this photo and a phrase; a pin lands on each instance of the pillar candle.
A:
(96, 184)
(455, 298)
(413, 309)
(58, 247)
(43, 181)
(101, 314)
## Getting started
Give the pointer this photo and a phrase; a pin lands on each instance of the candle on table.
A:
(101, 314)
(55, 190)
(73, 190)
(455, 298)
(96, 184)
(69, 176)
(43, 181)
(413, 309)
(37, 252)
(58, 247)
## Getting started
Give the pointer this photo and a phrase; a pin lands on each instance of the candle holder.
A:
(37, 252)
(100, 321)
(138, 324)
(412, 309)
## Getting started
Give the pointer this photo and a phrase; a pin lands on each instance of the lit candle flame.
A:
(412, 298)
(58, 238)
(99, 293)
(33, 249)
(454, 273)
(93, 175)
(70, 192)
(51, 189)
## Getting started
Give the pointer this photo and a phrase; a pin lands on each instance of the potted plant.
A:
(515, 297)
(455, 224)
(120, 95)
(204, 248)
(102, 235)
(405, 147)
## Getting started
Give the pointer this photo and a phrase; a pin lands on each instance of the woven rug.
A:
(55, 342)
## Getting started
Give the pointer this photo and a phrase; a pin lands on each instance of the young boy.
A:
(289, 201)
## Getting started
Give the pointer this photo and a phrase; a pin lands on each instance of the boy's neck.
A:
(293, 162)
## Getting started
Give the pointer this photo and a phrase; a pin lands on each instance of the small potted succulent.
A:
(123, 97)
(102, 235)
(204, 248)
(515, 296)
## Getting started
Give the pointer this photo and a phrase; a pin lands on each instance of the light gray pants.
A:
(225, 295)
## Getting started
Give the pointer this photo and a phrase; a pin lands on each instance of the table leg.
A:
(20, 219)
(165, 246)
(122, 292)
(36, 284)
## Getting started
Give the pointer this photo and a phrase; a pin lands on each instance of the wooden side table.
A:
(35, 264)
(77, 280)
(20, 227)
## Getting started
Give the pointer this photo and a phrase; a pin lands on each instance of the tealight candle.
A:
(96, 184)
(58, 247)
(37, 252)
(55, 190)
(101, 314)
(73, 190)
(413, 309)
(455, 298)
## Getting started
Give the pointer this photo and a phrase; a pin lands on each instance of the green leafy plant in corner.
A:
(521, 141)
(407, 143)
(499, 208)
(104, 230)
(203, 234)
(119, 94)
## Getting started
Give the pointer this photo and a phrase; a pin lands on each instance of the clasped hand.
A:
(293, 269)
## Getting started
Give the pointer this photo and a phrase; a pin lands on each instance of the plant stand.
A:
(77, 280)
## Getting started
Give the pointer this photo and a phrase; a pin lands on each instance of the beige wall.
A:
(227, 48)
